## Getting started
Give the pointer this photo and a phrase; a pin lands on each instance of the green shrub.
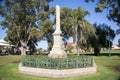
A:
(57, 63)
(69, 48)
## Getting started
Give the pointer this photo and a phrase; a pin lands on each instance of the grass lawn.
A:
(108, 68)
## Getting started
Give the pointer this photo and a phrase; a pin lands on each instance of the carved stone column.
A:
(57, 51)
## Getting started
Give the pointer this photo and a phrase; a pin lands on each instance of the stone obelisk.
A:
(57, 51)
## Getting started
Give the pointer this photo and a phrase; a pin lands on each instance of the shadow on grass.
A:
(114, 67)
(102, 54)
(119, 78)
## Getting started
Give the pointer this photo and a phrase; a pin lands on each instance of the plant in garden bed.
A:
(56, 63)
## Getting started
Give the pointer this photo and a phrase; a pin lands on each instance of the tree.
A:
(119, 42)
(66, 26)
(112, 6)
(1, 8)
(104, 35)
(74, 24)
(23, 19)
(47, 30)
(118, 31)
(114, 9)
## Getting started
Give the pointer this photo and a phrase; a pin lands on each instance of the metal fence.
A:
(57, 63)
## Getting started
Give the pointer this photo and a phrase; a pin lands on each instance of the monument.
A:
(57, 51)
(45, 67)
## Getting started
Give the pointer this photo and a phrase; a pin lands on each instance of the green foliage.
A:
(73, 24)
(118, 31)
(69, 48)
(104, 35)
(46, 31)
(100, 7)
(66, 23)
(114, 9)
(119, 42)
(89, 0)
(23, 19)
(57, 63)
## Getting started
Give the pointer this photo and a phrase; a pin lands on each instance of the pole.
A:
(109, 43)
(109, 49)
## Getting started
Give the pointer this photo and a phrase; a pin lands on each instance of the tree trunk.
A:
(75, 46)
(74, 39)
(96, 51)
(75, 43)
(78, 39)
(23, 48)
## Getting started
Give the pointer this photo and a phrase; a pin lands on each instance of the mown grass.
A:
(108, 68)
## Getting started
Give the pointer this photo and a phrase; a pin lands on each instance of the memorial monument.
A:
(47, 68)
(57, 51)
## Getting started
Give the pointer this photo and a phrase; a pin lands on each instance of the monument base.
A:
(52, 73)
(57, 53)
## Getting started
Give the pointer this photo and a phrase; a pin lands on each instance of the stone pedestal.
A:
(57, 51)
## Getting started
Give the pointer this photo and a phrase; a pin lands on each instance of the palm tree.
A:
(78, 25)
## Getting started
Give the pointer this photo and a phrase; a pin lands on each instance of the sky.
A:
(94, 17)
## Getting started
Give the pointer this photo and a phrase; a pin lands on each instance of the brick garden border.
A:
(57, 73)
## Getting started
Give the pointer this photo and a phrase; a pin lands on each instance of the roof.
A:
(4, 43)
(68, 43)
(115, 47)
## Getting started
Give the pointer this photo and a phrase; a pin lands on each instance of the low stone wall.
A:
(57, 73)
